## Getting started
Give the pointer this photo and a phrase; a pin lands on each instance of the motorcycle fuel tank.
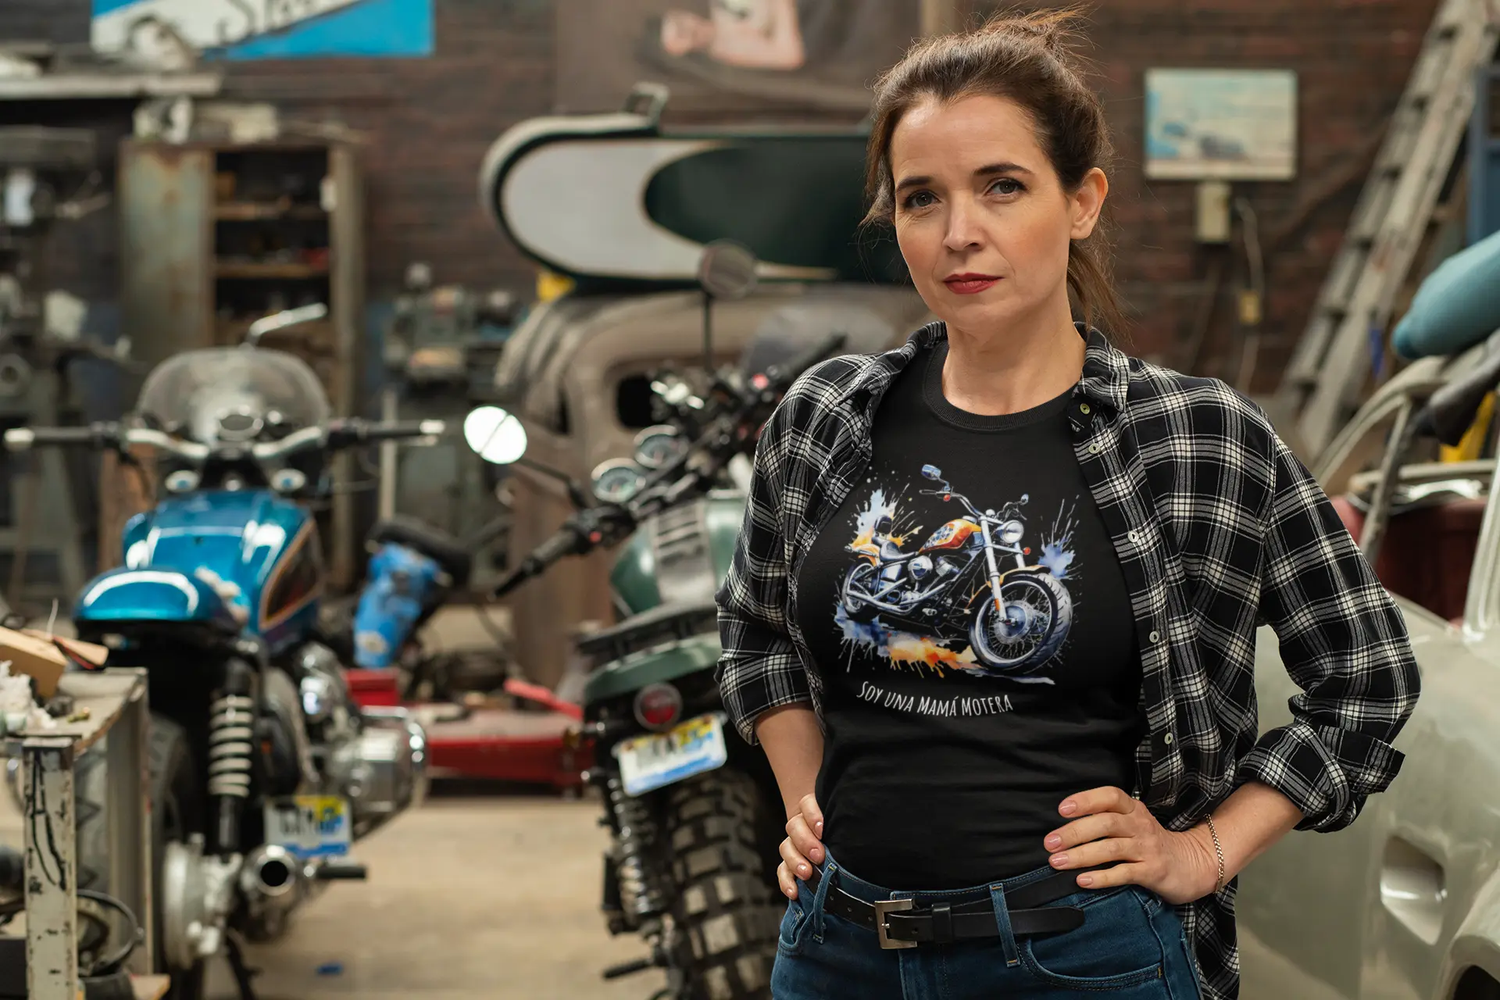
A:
(681, 555)
(249, 554)
(950, 536)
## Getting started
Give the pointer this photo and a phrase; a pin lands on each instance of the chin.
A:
(986, 311)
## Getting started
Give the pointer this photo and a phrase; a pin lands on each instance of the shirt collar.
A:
(1105, 379)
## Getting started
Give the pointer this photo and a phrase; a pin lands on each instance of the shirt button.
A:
(1134, 536)
(1155, 636)
(1083, 408)
(1167, 739)
(1094, 448)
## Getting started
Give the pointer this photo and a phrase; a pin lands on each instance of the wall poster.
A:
(264, 29)
(730, 54)
(1219, 124)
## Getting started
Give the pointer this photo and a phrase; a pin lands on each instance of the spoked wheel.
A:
(1034, 614)
(176, 813)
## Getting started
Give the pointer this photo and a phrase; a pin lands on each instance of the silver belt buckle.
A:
(882, 907)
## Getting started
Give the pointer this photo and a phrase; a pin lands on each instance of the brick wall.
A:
(1352, 58)
(430, 121)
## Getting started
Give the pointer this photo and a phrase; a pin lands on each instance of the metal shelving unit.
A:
(116, 704)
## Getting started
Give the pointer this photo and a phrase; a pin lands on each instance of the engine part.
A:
(197, 896)
(642, 892)
(383, 770)
(324, 693)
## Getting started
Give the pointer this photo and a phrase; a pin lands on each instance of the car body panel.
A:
(1399, 905)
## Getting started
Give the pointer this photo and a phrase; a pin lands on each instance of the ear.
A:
(1087, 202)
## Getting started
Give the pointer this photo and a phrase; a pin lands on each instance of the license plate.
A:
(310, 826)
(691, 747)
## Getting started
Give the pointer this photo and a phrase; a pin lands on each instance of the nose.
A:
(964, 232)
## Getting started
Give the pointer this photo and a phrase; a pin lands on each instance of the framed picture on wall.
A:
(1221, 124)
(730, 55)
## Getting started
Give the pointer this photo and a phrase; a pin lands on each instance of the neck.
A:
(995, 372)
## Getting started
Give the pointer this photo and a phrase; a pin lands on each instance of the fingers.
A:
(795, 860)
(1081, 831)
(785, 880)
(1108, 878)
(812, 814)
(1097, 853)
(1097, 800)
(804, 840)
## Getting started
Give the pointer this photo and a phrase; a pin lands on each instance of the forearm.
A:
(1254, 817)
(793, 742)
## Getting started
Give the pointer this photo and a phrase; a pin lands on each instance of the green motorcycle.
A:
(696, 816)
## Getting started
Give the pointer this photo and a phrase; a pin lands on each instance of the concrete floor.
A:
(472, 895)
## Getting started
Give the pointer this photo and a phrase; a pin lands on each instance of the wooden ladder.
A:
(1323, 382)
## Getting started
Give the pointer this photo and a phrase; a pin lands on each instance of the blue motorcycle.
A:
(263, 769)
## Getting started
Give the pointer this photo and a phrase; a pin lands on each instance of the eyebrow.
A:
(990, 171)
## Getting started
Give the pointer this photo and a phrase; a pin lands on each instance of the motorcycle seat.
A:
(667, 620)
(435, 543)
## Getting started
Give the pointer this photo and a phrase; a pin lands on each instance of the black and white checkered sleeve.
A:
(1344, 642)
(759, 668)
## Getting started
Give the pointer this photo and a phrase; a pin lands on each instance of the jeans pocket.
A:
(1116, 948)
(796, 923)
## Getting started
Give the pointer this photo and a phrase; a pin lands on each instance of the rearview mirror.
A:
(726, 270)
(495, 435)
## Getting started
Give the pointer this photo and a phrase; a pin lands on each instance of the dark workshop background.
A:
(431, 119)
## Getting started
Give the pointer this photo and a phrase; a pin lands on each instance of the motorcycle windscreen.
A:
(192, 391)
(789, 330)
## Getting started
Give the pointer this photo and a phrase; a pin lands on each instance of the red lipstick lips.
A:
(970, 284)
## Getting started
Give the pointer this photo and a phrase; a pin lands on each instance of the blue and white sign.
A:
(266, 29)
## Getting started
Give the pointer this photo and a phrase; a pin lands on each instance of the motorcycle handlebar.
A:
(340, 434)
(565, 542)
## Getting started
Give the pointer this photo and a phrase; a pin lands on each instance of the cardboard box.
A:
(42, 657)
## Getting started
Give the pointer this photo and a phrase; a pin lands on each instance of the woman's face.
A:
(981, 217)
(683, 32)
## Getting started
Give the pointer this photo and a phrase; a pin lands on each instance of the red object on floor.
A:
(373, 687)
(507, 745)
(498, 743)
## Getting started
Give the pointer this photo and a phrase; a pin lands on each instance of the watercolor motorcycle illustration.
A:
(956, 589)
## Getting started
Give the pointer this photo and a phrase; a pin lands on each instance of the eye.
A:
(1007, 186)
(919, 199)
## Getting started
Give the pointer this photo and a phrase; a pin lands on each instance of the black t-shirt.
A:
(957, 723)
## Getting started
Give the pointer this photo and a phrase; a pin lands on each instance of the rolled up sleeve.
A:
(759, 668)
(1344, 643)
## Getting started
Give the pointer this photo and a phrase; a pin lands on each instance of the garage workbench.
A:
(116, 705)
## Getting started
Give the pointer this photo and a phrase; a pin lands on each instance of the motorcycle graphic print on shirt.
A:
(983, 595)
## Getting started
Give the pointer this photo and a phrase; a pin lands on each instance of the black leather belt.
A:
(899, 923)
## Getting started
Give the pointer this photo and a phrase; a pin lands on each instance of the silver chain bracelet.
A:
(1218, 882)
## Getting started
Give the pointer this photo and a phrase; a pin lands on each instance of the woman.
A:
(992, 614)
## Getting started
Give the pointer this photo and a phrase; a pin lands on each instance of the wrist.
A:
(1215, 861)
(1206, 866)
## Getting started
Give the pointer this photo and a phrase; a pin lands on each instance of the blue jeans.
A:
(1130, 947)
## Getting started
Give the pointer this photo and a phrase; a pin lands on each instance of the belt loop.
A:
(942, 923)
(820, 897)
(1002, 923)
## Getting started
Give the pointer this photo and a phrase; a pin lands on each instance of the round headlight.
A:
(495, 435)
(1011, 532)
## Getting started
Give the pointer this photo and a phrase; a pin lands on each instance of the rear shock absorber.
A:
(231, 732)
(641, 891)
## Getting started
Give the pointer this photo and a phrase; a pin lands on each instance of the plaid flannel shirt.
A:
(1218, 529)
